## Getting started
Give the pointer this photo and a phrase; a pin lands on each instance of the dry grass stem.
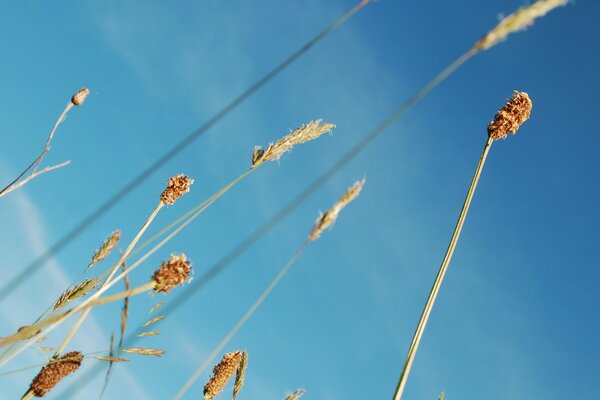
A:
(107, 247)
(144, 351)
(172, 273)
(240, 374)
(327, 219)
(519, 20)
(177, 186)
(296, 395)
(54, 372)
(125, 309)
(76, 291)
(303, 134)
(510, 117)
(222, 373)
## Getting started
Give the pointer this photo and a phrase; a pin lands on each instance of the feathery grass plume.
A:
(328, 219)
(510, 117)
(303, 134)
(107, 247)
(177, 186)
(222, 373)
(54, 372)
(79, 97)
(172, 273)
(296, 395)
(517, 21)
(144, 351)
(149, 333)
(156, 307)
(154, 320)
(240, 375)
(76, 291)
(111, 359)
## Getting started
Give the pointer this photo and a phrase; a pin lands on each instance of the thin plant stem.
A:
(441, 273)
(17, 182)
(206, 363)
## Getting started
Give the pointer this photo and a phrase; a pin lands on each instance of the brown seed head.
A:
(222, 373)
(79, 97)
(303, 134)
(172, 273)
(510, 117)
(177, 186)
(519, 20)
(54, 372)
(327, 219)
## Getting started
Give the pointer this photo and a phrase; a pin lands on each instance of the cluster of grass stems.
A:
(85, 294)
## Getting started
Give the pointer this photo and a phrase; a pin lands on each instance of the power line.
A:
(28, 271)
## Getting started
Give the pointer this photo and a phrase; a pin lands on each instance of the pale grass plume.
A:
(510, 117)
(154, 320)
(111, 359)
(303, 134)
(144, 351)
(149, 333)
(106, 248)
(156, 306)
(240, 375)
(517, 21)
(76, 291)
(296, 395)
(177, 186)
(174, 272)
(327, 219)
(54, 372)
(222, 373)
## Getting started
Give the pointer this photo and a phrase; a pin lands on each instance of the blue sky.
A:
(517, 315)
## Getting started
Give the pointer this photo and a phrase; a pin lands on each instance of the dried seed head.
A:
(510, 117)
(177, 186)
(222, 373)
(107, 247)
(296, 395)
(303, 134)
(172, 273)
(54, 372)
(240, 375)
(328, 219)
(519, 20)
(79, 97)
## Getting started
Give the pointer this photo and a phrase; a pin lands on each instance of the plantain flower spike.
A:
(177, 186)
(174, 272)
(222, 373)
(54, 372)
(510, 117)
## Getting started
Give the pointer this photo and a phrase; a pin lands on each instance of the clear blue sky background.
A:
(517, 317)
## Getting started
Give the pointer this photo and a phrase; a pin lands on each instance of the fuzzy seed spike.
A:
(510, 117)
(222, 373)
(107, 247)
(327, 219)
(54, 372)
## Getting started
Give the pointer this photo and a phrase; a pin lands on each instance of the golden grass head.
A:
(54, 372)
(222, 373)
(172, 273)
(177, 186)
(519, 20)
(107, 247)
(327, 219)
(510, 117)
(296, 395)
(78, 98)
(303, 134)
